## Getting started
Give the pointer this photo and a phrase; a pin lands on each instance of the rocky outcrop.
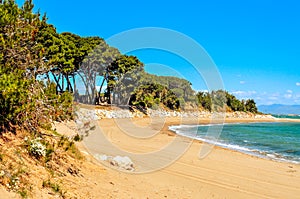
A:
(247, 115)
(85, 115)
(124, 163)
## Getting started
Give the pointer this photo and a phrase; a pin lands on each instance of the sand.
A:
(222, 173)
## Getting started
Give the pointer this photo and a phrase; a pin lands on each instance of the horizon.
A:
(254, 45)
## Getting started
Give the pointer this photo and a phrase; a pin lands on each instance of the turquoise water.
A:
(278, 141)
(287, 116)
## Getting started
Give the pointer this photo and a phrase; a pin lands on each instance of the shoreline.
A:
(253, 153)
(228, 119)
(222, 173)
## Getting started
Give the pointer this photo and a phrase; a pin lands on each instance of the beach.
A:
(223, 173)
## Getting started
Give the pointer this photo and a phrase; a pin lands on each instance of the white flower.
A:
(37, 148)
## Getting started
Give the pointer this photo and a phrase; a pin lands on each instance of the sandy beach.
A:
(222, 173)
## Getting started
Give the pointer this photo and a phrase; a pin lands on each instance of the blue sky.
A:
(254, 44)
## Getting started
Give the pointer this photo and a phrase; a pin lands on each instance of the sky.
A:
(254, 44)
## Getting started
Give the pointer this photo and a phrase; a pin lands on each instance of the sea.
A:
(278, 141)
(287, 116)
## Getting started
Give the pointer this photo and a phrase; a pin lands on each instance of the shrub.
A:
(36, 148)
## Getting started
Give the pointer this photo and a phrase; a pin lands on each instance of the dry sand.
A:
(222, 173)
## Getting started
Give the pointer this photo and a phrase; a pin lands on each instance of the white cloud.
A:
(204, 91)
(297, 101)
(297, 83)
(285, 97)
(238, 92)
(273, 98)
(242, 82)
(288, 96)
(245, 94)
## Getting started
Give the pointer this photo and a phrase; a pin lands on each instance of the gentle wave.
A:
(224, 145)
(249, 145)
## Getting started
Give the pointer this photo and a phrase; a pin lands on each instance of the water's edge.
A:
(271, 155)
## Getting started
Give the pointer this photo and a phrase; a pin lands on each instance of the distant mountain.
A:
(280, 109)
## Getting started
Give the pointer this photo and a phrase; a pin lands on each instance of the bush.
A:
(14, 102)
(36, 148)
(29, 104)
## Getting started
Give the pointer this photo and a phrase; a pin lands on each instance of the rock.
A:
(123, 162)
(117, 161)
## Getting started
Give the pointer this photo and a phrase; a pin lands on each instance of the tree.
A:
(218, 100)
(23, 100)
(233, 103)
(250, 106)
(150, 94)
(204, 99)
(180, 87)
(96, 63)
(18, 45)
(123, 74)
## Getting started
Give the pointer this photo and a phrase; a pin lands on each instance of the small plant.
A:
(23, 193)
(14, 183)
(49, 151)
(36, 148)
(77, 138)
(54, 186)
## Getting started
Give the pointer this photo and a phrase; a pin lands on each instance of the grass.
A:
(16, 161)
(23, 193)
(70, 147)
(55, 187)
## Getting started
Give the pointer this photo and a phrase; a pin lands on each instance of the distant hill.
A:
(280, 109)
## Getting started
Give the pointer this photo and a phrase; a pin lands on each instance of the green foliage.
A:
(216, 100)
(32, 48)
(36, 148)
(78, 138)
(234, 103)
(204, 99)
(250, 106)
(121, 76)
(13, 98)
(23, 193)
(69, 146)
(23, 102)
(97, 62)
(55, 187)
(180, 87)
(153, 94)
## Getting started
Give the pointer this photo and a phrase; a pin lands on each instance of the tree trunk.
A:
(69, 87)
(74, 84)
(62, 83)
(113, 98)
(57, 83)
(85, 84)
(100, 89)
(108, 95)
(48, 77)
